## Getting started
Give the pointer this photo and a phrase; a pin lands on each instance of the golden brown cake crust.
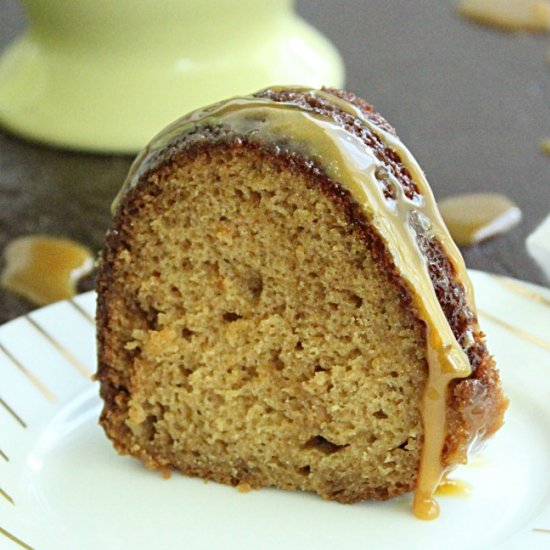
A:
(475, 405)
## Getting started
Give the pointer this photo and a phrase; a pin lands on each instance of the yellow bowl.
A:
(106, 75)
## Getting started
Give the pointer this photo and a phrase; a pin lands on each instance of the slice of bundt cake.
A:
(280, 304)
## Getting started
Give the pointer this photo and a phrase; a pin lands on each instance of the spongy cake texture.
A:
(252, 331)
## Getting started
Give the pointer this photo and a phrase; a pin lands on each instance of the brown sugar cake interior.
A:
(251, 353)
(254, 330)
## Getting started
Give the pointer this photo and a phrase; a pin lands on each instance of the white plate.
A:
(63, 487)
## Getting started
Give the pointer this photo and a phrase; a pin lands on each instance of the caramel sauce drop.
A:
(453, 487)
(44, 269)
(472, 218)
(425, 508)
(510, 15)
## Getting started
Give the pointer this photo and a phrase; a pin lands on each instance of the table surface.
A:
(470, 102)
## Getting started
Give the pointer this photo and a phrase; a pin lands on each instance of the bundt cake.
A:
(280, 304)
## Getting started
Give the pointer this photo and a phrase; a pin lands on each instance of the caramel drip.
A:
(45, 269)
(346, 160)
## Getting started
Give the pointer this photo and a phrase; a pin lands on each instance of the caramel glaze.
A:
(364, 157)
(45, 269)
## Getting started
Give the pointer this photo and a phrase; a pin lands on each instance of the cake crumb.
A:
(510, 15)
(243, 487)
(545, 146)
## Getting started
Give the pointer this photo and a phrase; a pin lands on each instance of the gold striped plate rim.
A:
(6, 496)
(521, 289)
(504, 281)
(15, 539)
(43, 389)
(59, 347)
(527, 336)
(13, 413)
(30, 375)
(81, 310)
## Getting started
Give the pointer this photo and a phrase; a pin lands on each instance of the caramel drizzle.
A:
(348, 161)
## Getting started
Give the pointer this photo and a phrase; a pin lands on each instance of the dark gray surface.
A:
(470, 102)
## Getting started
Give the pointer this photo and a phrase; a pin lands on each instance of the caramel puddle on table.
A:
(510, 15)
(472, 218)
(44, 269)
